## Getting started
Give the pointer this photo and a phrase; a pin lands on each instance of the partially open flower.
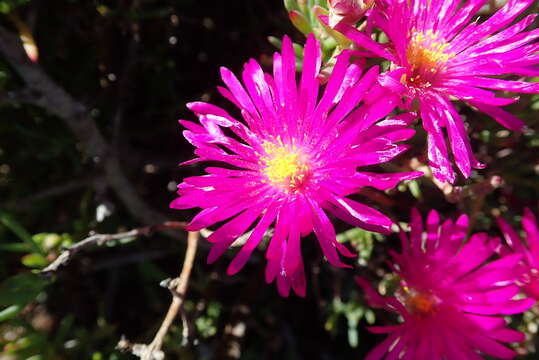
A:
(348, 11)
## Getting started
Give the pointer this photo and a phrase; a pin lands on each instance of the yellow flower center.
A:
(427, 54)
(284, 167)
(420, 303)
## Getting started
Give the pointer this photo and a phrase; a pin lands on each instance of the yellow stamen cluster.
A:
(283, 166)
(420, 303)
(426, 51)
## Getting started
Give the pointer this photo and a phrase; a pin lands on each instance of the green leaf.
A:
(34, 260)
(331, 323)
(4, 7)
(47, 240)
(370, 317)
(300, 22)
(298, 50)
(4, 76)
(353, 337)
(353, 316)
(7, 6)
(10, 312)
(275, 42)
(16, 247)
(291, 5)
(484, 135)
(8, 221)
(214, 309)
(21, 289)
(329, 44)
(415, 190)
(32, 346)
(304, 5)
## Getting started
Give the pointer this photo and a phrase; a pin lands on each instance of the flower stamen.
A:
(285, 167)
(420, 303)
(426, 49)
(427, 54)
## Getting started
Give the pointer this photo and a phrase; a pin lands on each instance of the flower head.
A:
(292, 160)
(449, 300)
(528, 248)
(443, 54)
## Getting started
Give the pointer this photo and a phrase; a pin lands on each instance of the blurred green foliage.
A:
(7, 6)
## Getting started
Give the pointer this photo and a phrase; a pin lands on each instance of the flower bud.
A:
(349, 11)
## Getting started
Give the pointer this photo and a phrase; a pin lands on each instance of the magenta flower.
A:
(449, 300)
(442, 53)
(529, 249)
(291, 160)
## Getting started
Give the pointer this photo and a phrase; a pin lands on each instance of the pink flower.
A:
(292, 160)
(449, 300)
(443, 53)
(529, 249)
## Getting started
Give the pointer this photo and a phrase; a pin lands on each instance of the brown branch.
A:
(178, 289)
(51, 96)
(100, 239)
(42, 91)
(16, 98)
(47, 94)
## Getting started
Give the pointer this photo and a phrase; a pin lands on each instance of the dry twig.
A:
(44, 92)
(100, 239)
(178, 289)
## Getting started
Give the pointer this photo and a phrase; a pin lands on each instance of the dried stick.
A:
(178, 288)
(178, 296)
(100, 239)
(43, 91)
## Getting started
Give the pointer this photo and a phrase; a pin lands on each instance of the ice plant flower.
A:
(449, 299)
(291, 160)
(527, 247)
(444, 54)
